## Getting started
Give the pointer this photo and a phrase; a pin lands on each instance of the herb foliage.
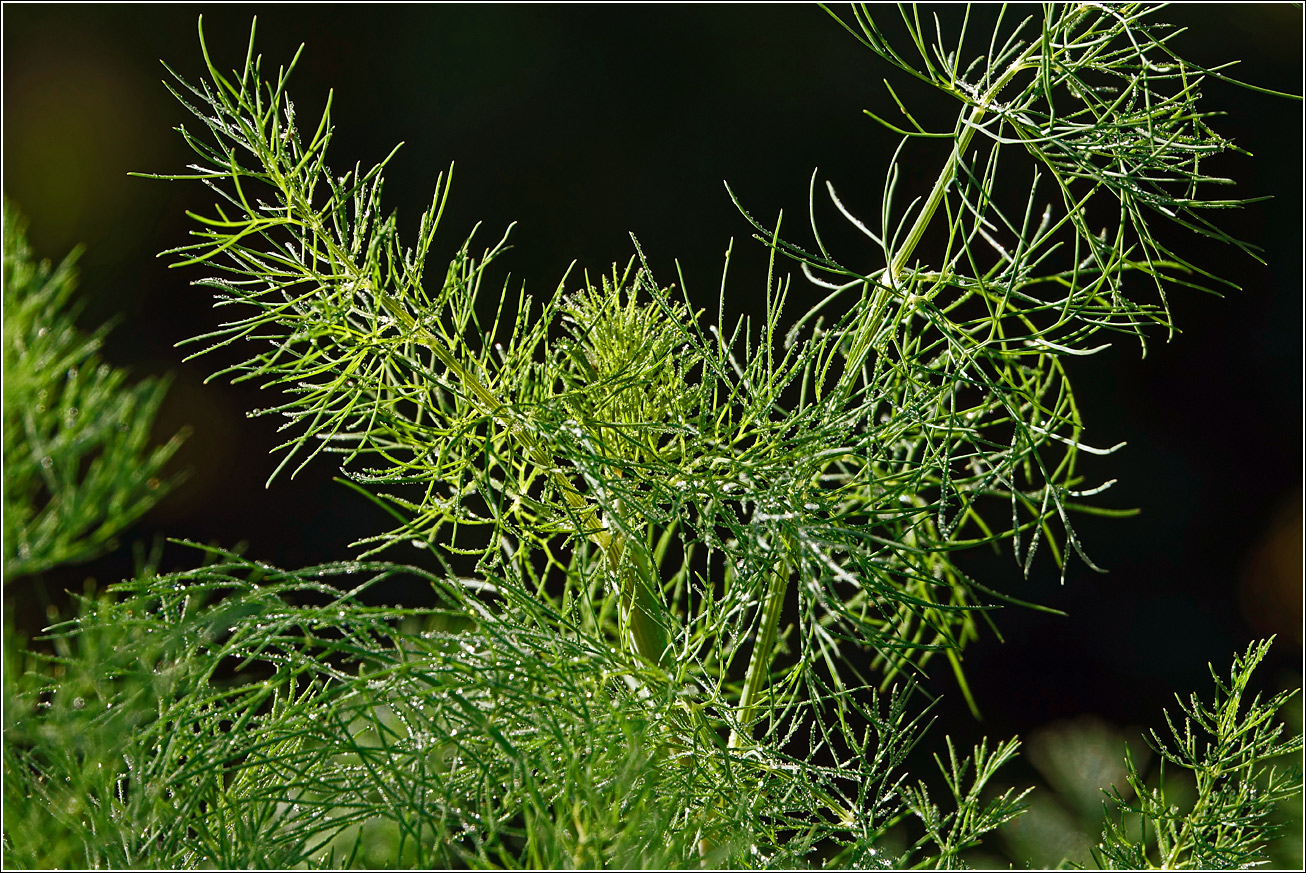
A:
(685, 572)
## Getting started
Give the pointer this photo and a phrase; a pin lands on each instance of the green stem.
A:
(490, 405)
(643, 610)
(642, 605)
(759, 663)
(949, 171)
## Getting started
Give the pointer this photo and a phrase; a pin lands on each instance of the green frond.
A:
(241, 715)
(1234, 750)
(78, 464)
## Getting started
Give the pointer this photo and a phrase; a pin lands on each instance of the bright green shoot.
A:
(1231, 749)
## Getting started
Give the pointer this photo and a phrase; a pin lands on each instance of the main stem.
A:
(760, 661)
(643, 610)
(642, 607)
(949, 171)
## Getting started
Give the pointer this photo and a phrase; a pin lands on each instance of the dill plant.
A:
(78, 467)
(684, 572)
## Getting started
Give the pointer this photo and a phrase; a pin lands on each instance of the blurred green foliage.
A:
(78, 464)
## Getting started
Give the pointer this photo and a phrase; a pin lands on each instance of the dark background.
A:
(584, 124)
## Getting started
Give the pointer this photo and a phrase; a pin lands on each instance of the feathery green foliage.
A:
(78, 464)
(1233, 750)
(218, 724)
(685, 573)
(932, 415)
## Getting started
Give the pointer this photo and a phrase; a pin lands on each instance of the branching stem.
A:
(968, 125)
(773, 603)
(629, 562)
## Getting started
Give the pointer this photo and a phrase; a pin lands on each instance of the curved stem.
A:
(949, 171)
(642, 607)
